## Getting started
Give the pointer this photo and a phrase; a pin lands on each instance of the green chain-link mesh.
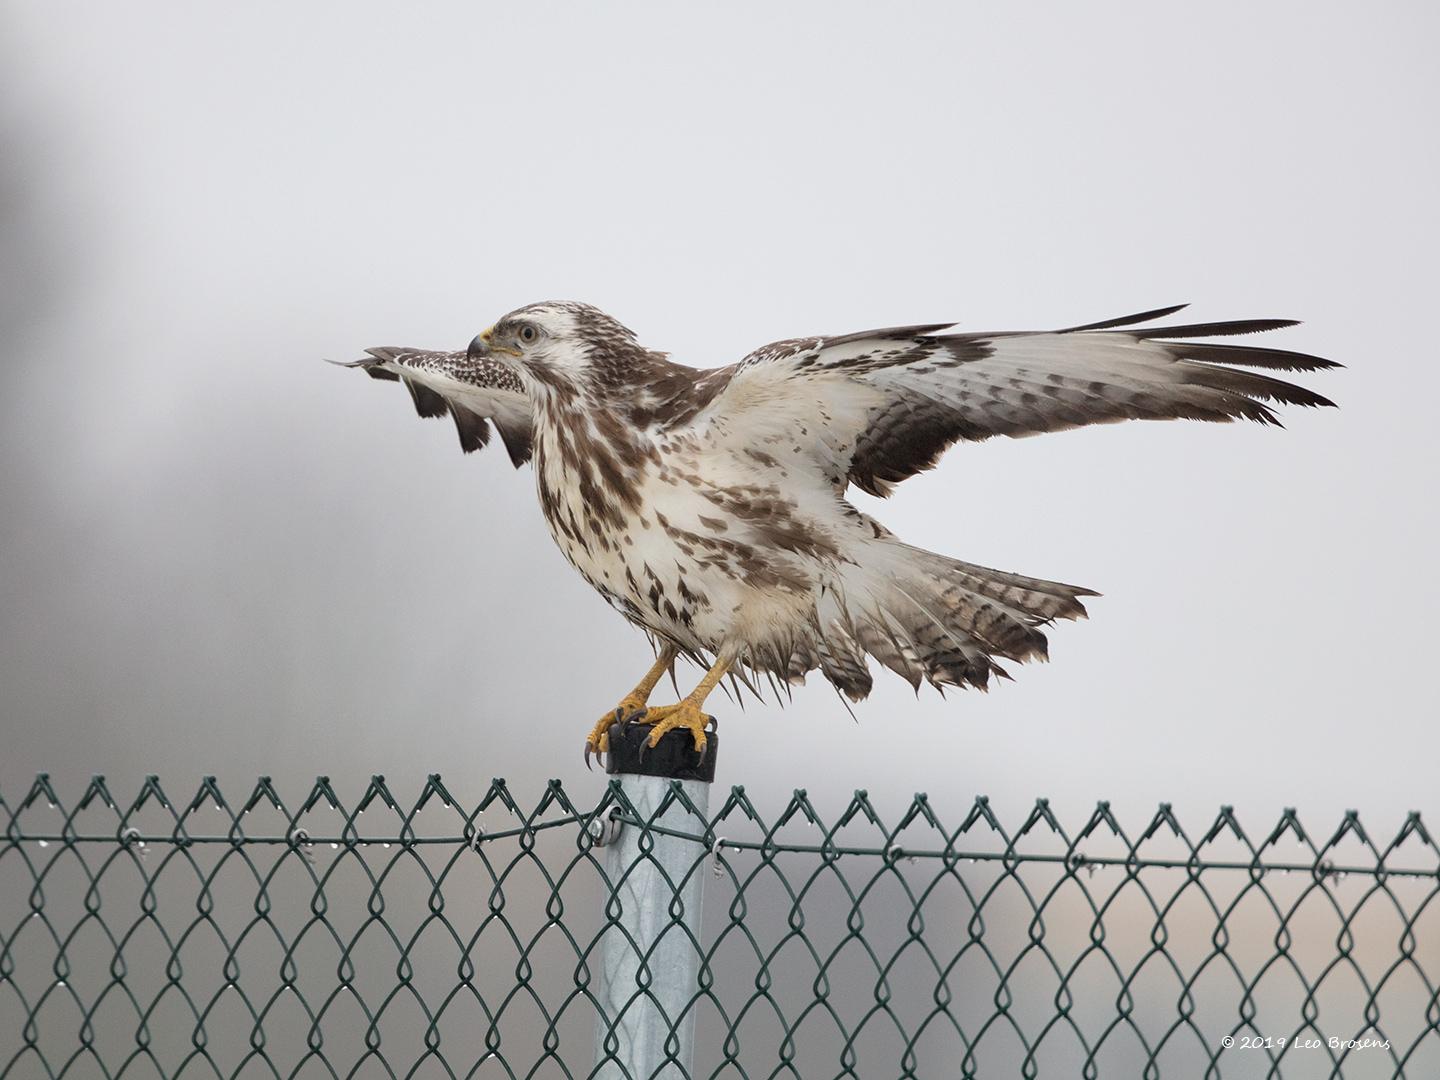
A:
(213, 939)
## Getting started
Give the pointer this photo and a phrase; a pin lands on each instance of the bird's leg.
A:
(687, 712)
(631, 706)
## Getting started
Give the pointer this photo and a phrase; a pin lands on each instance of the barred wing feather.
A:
(888, 403)
(481, 398)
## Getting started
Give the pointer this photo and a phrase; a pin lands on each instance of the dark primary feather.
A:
(1125, 320)
(1250, 356)
(1215, 329)
(473, 430)
(428, 403)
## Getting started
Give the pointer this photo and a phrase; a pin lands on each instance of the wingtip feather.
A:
(1125, 320)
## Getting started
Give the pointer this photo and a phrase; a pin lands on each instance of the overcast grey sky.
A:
(220, 555)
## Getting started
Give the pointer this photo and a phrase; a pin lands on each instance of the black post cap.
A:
(673, 757)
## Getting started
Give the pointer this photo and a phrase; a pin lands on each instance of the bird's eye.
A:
(528, 333)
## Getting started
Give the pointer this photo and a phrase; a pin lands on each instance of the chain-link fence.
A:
(215, 938)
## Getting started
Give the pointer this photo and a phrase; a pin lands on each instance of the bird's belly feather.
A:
(704, 553)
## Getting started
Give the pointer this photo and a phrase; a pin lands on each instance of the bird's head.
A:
(564, 348)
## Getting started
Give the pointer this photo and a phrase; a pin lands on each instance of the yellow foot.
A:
(598, 741)
(684, 714)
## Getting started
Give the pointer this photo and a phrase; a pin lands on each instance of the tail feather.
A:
(936, 620)
(1032, 596)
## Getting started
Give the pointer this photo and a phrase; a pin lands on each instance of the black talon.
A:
(587, 756)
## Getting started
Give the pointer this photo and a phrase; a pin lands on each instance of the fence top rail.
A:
(322, 817)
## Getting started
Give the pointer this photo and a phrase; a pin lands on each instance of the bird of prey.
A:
(708, 506)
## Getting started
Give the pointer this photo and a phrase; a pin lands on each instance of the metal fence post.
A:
(650, 956)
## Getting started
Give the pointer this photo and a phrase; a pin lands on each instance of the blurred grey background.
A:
(218, 554)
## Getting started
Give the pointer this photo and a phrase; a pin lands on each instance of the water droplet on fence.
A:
(44, 843)
(333, 845)
(385, 846)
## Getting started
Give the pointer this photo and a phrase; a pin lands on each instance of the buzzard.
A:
(708, 506)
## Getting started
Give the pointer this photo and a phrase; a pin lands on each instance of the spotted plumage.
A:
(708, 506)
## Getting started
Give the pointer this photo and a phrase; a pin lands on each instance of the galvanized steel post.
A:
(650, 954)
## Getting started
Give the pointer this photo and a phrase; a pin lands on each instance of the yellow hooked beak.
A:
(481, 346)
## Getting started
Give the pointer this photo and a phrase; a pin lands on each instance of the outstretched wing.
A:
(474, 393)
(877, 407)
